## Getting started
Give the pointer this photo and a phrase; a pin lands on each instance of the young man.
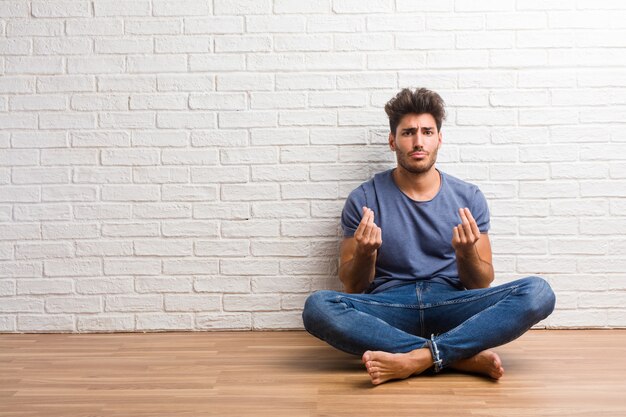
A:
(416, 265)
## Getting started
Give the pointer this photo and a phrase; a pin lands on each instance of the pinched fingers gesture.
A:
(466, 234)
(368, 236)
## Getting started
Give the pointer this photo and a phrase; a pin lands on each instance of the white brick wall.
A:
(181, 165)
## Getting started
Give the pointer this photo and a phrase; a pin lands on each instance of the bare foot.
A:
(384, 366)
(486, 362)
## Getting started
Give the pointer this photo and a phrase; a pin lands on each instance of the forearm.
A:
(357, 273)
(474, 272)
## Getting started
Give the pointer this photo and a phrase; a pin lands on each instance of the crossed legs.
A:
(390, 330)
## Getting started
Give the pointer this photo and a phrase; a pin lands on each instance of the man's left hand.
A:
(466, 234)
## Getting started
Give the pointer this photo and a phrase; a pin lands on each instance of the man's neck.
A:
(419, 187)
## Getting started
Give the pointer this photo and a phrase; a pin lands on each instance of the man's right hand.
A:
(368, 236)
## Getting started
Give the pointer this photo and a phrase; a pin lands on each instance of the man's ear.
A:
(392, 141)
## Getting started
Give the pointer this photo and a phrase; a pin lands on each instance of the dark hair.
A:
(419, 101)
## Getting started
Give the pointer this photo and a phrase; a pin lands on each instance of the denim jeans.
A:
(454, 324)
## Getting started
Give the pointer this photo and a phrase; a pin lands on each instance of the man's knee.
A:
(315, 309)
(541, 297)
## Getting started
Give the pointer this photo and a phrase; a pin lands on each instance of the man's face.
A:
(416, 142)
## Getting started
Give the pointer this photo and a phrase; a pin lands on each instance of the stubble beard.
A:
(421, 167)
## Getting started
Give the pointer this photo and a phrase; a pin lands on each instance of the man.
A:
(416, 265)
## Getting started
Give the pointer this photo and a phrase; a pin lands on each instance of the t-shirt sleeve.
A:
(480, 211)
(352, 212)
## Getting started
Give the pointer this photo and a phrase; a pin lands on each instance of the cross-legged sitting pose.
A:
(416, 265)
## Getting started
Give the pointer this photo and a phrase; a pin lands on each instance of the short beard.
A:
(417, 170)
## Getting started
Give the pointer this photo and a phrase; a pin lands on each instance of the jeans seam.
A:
(467, 300)
(412, 306)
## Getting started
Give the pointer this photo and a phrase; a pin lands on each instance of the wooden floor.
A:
(548, 373)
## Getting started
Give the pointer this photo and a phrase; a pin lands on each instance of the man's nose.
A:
(418, 140)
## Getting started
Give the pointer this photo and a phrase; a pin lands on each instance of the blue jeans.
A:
(454, 324)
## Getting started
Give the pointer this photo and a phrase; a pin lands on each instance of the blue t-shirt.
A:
(416, 235)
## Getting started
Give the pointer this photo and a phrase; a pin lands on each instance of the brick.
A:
(134, 303)
(309, 191)
(275, 62)
(164, 284)
(189, 228)
(153, 26)
(185, 82)
(390, 61)
(192, 303)
(309, 228)
(222, 248)
(220, 175)
(261, 155)
(290, 154)
(123, 46)
(126, 83)
(518, 58)
(122, 8)
(9, 84)
(62, 46)
(69, 230)
(250, 228)
(32, 175)
(307, 118)
(129, 229)
(13, 9)
(547, 116)
(161, 321)
(280, 173)
(38, 102)
(221, 284)
(180, 44)
(30, 27)
(218, 101)
(94, 26)
(180, 8)
(298, 43)
(188, 157)
(45, 323)
(305, 81)
(134, 120)
(214, 25)
(66, 83)
(333, 61)
(589, 207)
(281, 210)
(223, 211)
(244, 82)
(104, 248)
(245, 43)
(42, 212)
(221, 62)
(60, 9)
(169, 138)
(247, 119)
(15, 46)
(363, 42)
(163, 248)
(280, 284)
(249, 192)
(242, 7)
(105, 323)
(129, 193)
(19, 194)
(292, 136)
(190, 266)
(215, 321)
(251, 302)
(66, 121)
(362, 6)
(520, 135)
(33, 65)
(156, 63)
(162, 211)
(487, 79)
(188, 193)
(102, 175)
(277, 320)
(186, 120)
(248, 267)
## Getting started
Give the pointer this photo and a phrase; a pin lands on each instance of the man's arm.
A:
(473, 253)
(358, 254)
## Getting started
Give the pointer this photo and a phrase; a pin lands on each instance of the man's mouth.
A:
(418, 154)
